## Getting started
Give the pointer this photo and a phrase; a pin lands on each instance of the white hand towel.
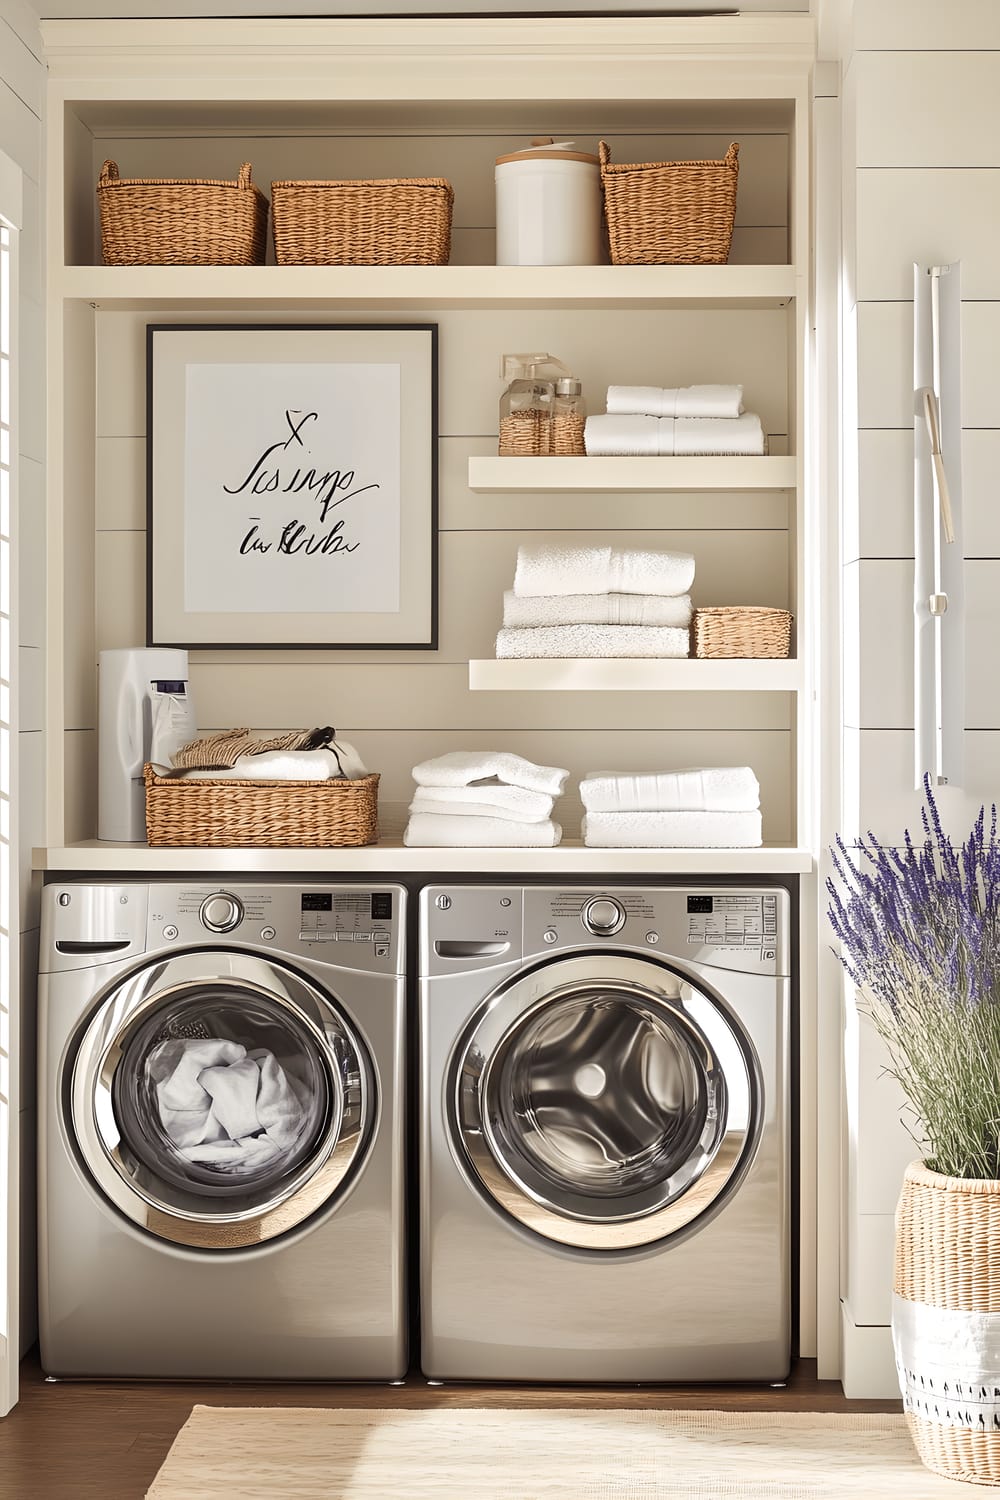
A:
(717, 401)
(611, 436)
(466, 767)
(484, 801)
(704, 435)
(596, 609)
(608, 435)
(593, 641)
(549, 570)
(285, 765)
(703, 789)
(447, 831)
(672, 830)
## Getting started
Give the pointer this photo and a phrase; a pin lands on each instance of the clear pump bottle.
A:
(528, 405)
(569, 414)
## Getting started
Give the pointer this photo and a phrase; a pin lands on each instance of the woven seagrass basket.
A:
(395, 221)
(741, 630)
(663, 213)
(165, 221)
(334, 814)
(947, 1260)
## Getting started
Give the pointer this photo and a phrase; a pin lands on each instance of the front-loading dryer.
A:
(221, 1134)
(604, 1137)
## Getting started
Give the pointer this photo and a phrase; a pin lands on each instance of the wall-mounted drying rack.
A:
(938, 580)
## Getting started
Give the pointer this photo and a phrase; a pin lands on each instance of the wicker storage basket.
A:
(947, 1261)
(663, 213)
(332, 814)
(741, 630)
(163, 221)
(398, 221)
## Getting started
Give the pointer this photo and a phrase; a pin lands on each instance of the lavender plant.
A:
(919, 931)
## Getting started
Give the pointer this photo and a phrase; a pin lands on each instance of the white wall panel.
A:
(19, 130)
(886, 627)
(885, 488)
(80, 751)
(885, 364)
(30, 688)
(927, 108)
(31, 554)
(871, 1248)
(932, 216)
(981, 513)
(982, 677)
(906, 25)
(889, 802)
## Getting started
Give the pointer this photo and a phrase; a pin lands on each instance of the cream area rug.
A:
(273, 1453)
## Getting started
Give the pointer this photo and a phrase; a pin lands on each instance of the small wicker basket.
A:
(947, 1261)
(165, 221)
(741, 630)
(663, 213)
(334, 814)
(396, 221)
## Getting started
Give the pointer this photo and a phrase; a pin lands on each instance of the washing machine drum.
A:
(219, 1100)
(605, 1102)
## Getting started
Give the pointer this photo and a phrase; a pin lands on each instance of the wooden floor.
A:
(105, 1441)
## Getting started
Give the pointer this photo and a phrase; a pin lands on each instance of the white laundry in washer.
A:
(221, 1138)
(604, 1137)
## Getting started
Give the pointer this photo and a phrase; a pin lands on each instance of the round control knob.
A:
(603, 916)
(222, 912)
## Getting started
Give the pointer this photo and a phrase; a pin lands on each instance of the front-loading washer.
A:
(604, 1133)
(221, 1133)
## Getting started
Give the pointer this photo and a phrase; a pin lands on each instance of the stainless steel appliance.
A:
(604, 1138)
(221, 1132)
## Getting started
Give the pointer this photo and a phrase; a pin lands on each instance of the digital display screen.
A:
(699, 903)
(317, 901)
(381, 906)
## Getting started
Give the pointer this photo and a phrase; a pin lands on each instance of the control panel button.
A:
(267, 933)
(381, 937)
(362, 937)
(652, 938)
(603, 916)
(170, 932)
(443, 903)
(222, 912)
(551, 936)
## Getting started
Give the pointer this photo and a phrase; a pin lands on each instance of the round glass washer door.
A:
(219, 1100)
(605, 1102)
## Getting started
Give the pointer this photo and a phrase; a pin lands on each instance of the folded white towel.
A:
(551, 570)
(702, 789)
(282, 765)
(447, 831)
(466, 767)
(631, 436)
(586, 641)
(223, 1105)
(595, 609)
(717, 401)
(672, 830)
(484, 800)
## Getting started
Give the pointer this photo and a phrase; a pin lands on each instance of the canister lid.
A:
(544, 148)
(568, 385)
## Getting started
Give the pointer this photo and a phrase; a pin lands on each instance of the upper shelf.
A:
(139, 287)
(490, 476)
(629, 675)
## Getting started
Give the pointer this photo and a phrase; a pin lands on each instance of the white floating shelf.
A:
(389, 858)
(439, 286)
(491, 476)
(631, 675)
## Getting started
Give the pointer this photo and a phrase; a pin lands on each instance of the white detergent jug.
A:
(549, 206)
(130, 682)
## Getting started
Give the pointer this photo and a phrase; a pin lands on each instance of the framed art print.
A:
(292, 486)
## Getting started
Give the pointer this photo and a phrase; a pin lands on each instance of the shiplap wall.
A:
(403, 707)
(923, 158)
(22, 79)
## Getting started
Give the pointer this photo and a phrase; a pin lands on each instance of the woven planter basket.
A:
(334, 814)
(397, 221)
(662, 213)
(947, 1261)
(741, 631)
(164, 221)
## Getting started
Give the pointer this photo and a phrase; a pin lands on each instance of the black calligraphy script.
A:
(281, 469)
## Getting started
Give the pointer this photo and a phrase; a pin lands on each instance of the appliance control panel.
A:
(350, 927)
(741, 928)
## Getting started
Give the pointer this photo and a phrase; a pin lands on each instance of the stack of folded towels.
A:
(695, 419)
(597, 601)
(469, 799)
(714, 808)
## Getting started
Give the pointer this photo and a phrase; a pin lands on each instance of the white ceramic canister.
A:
(549, 207)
